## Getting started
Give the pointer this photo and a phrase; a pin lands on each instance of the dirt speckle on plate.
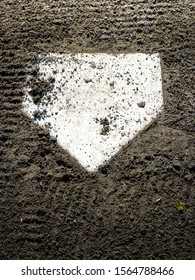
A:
(105, 126)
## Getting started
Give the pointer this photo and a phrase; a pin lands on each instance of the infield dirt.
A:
(51, 208)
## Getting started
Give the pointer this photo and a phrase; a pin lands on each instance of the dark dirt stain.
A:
(51, 208)
(105, 126)
(39, 88)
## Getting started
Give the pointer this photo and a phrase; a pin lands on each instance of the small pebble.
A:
(141, 104)
(88, 80)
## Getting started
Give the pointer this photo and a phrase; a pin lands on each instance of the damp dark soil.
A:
(141, 204)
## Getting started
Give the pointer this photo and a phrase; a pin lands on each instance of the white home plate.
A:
(94, 103)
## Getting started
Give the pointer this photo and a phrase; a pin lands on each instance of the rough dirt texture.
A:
(51, 208)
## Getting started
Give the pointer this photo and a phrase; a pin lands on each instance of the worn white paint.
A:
(98, 102)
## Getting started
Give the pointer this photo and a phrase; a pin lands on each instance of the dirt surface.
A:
(51, 208)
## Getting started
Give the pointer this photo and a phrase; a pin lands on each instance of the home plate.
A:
(94, 104)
